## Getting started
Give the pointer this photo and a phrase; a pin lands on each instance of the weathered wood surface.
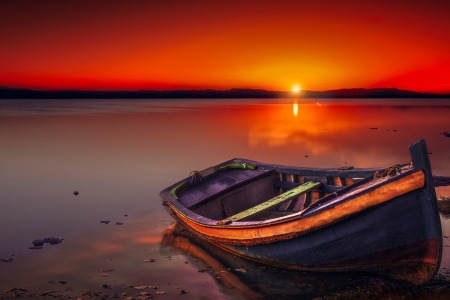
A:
(217, 183)
(280, 199)
(331, 172)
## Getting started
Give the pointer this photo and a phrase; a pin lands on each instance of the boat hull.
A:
(390, 239)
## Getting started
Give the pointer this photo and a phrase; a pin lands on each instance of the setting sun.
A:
(296, 89)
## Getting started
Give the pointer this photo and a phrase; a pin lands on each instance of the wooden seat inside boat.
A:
(254, 211)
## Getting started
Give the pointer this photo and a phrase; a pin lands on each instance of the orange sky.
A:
(168, 44)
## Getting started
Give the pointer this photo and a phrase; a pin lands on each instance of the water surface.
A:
(120, 153)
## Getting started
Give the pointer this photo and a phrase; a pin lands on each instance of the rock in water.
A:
(38, 242)
(53, 240)
(36, 248)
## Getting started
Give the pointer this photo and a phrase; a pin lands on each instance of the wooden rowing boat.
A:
(381, 220)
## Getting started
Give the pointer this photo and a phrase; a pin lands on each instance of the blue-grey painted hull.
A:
(393, 224)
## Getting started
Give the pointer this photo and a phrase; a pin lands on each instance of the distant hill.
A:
(11, 93)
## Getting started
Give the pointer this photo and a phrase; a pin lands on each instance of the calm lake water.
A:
(119, 154)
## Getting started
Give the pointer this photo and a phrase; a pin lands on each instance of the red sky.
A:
(273, 45)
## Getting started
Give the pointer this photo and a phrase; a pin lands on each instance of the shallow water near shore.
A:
(118, 154)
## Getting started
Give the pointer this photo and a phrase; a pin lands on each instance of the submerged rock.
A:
(7, 259)
(150, 260)
(38, 242)
(35, 248)
(53, 240)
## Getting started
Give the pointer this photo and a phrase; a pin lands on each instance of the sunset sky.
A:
(188, 44)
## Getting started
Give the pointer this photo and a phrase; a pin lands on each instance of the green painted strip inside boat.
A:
(237, 165)
(178, 188)
(280, 199)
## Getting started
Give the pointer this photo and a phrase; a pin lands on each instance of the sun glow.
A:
(296, 88)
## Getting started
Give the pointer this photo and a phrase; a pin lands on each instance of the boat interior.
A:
(259, 195)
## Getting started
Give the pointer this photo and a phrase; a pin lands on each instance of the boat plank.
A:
(304, 188)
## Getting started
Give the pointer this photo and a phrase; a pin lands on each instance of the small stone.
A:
(7, 259)
(109, 270)
(144, 293)
(145, 287)
(160, 292)
(76, 193)
(62, 282)
(106, 286)
(35, 248)
(38, 242)
(126, 215)
(150, 260)
(15, 290)
(202, 270)
(53, 240)
(104, 274)
(105, 222)
(119, 223)
(48, 292)
(242, 270)
(183, 292)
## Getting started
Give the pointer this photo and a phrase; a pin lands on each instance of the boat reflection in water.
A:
(252, 280)
(246, 279)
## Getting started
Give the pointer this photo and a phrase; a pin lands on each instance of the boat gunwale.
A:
(283, 169)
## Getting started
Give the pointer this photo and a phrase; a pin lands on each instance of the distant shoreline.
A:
(14, 93)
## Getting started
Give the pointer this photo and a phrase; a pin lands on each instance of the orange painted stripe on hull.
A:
(243, 234)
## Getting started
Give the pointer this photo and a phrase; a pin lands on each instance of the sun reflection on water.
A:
(295, 108)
